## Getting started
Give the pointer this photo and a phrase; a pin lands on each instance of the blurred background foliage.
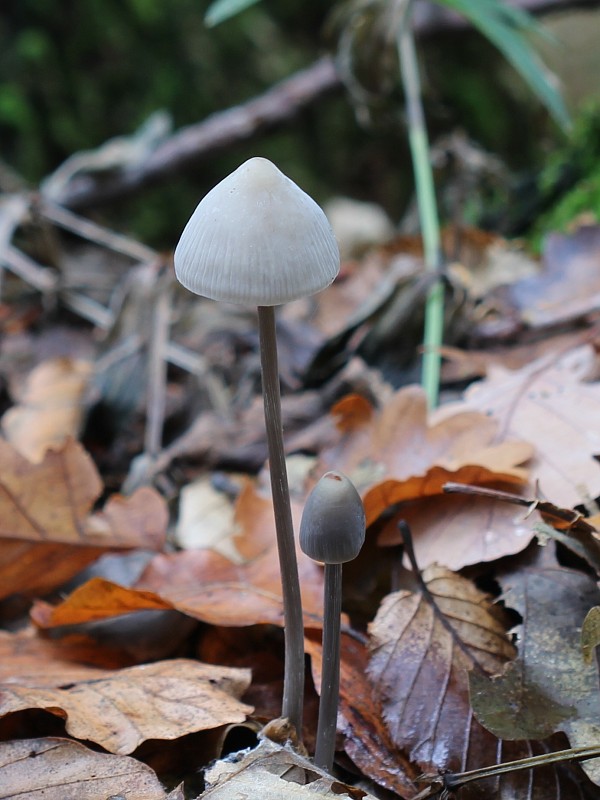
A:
(76, 73)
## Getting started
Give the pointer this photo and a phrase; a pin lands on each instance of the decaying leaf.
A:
(274, 772)
(549, 687)
(50, 407)
(206, 520)
(49, 533)
(421, 651)
(58, 769)
(590, 634)
(164, 700)
(30, 660)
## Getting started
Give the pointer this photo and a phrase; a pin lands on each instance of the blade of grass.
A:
(505, 27)
(428, 214)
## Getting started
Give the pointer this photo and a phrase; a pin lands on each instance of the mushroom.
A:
(332, 530)
(257, 238)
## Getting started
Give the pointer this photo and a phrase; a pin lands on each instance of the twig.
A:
(157, 370)
(573, 519)
(276, 106)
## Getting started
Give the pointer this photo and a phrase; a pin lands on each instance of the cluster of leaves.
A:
(139, 668)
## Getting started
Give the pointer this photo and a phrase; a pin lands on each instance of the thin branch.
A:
(278, 105)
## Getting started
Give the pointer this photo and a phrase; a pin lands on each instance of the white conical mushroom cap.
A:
(257, 239)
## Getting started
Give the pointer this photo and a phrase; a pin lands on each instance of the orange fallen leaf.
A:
(58, 769)
(46, 523)
(204, 584)
(164, 700)
(30, 660)
(394, 455)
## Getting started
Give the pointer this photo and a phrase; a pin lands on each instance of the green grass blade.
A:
(222, 10)
(505, 27)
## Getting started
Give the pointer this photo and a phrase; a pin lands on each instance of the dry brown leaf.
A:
(460, 530)
(204, 584)
(421, 654)
(164, 700)
(394, 455)
(366, 739)
(58, 769)
(549, 404)
(45, 518)
(50, 408)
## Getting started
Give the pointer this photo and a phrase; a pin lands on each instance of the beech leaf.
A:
(420, 654)
(549, 404)
(204, 584)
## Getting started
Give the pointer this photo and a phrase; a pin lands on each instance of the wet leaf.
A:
(421, 652)
(365, 737)
(58, 769)
(548, 688)
(164, 700)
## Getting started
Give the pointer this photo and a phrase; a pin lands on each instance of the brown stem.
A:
(293, 685)
(330, 672)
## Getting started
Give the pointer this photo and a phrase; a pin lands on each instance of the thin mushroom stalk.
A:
(332, 531)
(293, 682)
(258, 239)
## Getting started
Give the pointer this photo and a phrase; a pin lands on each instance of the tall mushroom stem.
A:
(330, 673)
(293, 685)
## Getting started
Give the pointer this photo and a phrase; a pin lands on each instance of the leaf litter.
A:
(408, 654)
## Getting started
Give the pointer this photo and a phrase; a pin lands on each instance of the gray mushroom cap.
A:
(332, 529)
(257, 239)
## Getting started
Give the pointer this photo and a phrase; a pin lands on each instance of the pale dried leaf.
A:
(206, 520)
(164, 700)
(274, 772)
(50, 408)
(58, 769)
(549, 404)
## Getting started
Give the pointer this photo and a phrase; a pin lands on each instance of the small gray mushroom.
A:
(332, 530)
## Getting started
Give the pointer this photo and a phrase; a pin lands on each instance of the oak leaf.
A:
(164, 700)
